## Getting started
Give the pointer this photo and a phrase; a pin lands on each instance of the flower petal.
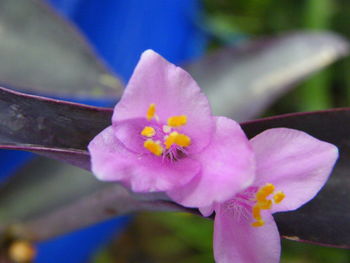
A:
(128, 132)
(174, 93)
(206, 210)
(227, 167)
(111, 161)
(235, 240)
(295, 162)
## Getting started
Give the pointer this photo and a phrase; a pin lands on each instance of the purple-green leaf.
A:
(56, 129)
(241, 82)
(69, 191)
(59, 129)
(59, 184)
(41, 53)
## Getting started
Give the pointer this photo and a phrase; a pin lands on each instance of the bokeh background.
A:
(182, 31)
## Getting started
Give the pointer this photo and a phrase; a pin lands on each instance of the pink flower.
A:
(164, 138)
(291, 167)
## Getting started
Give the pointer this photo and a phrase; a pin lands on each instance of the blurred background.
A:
(184, 31)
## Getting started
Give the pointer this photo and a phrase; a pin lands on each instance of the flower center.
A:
(252, 201)
(166, 141)
(263, 203)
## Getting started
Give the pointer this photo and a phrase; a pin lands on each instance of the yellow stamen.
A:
(182, 140)
(151, 112)
(148, 131)
(153, 147)
(262, 203)
(169, 140)
(278, 197)
(179, 139)
(22, 251)
(177, 121)
(258, 223)
(266, 205)
(257, 212)
(264, 192)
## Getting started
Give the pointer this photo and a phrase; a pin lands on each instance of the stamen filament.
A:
(166, 129)
(170, 137)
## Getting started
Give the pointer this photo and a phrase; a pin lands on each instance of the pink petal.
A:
(235, 240)
(111, 161)
(128, 132)
(295, 162)
(227, 167)
(206, 210)
(173, 91)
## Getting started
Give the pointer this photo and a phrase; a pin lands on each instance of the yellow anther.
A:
(264, 192)
(169, 140)
(267, 189)
(256, 212)
(182, 140)
(262, 203)
(179, 139)
(278, 197)
(258, 223)
(266, 205)
(148, 131)
(177, 121)
(151, 112)
(153, 147)
(22, 251)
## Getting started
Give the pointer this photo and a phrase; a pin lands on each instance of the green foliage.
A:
(294, 252)
(315, 93)
(257, 18)
(178, 237)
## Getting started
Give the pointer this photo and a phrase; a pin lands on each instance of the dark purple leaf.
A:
(241, 82)
(59, 184)
(68, 128)
(68, 191)
(53, 128)
(59, 130)
(43, 54)
(102, 204)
